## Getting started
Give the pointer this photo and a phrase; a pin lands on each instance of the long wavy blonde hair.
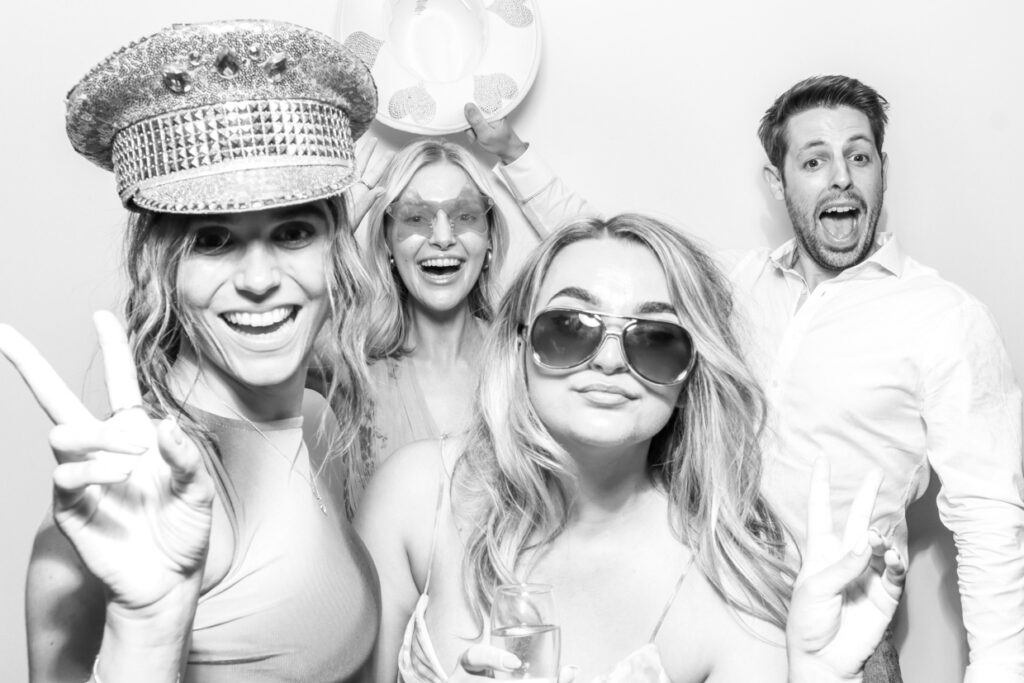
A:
(389, 329)
(707, 458)
(157, 326)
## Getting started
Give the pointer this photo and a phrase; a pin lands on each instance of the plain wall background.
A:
(644, 105)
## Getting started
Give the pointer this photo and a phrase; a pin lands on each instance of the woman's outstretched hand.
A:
(132, 497)
(847, 589)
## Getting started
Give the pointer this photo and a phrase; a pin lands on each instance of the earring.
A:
(391, 262)
(487, 260)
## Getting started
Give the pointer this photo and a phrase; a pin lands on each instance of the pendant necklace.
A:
(311, 480)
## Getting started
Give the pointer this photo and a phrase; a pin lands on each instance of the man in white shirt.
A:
(866, 356)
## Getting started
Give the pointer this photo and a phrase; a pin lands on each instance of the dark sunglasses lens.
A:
(659, 352)
(562, 339)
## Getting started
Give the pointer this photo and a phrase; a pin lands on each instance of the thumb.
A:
(474, 115)
(182, 456)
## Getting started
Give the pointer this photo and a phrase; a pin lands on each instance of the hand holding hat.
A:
(496, 137)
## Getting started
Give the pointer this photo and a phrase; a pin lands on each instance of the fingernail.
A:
(899, 557)
(510, 661)
(176, 434)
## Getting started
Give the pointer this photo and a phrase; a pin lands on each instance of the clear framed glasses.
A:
(417, 217)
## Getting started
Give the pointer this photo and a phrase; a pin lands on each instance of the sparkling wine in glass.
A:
(523, 622)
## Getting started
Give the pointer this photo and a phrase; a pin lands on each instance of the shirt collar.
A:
(888, 255)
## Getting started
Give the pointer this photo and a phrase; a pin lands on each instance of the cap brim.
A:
(226, 190)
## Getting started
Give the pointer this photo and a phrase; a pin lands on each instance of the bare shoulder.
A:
(723, 644)
(401, 497)
(65, 609)
(395, 520)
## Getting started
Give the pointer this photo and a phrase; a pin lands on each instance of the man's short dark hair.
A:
(820, 91)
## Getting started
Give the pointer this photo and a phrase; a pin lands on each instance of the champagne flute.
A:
(523, 622)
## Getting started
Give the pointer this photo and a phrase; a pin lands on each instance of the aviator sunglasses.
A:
(656, 350)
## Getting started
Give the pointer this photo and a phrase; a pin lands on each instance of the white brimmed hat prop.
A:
(224, 116)
(430, 57)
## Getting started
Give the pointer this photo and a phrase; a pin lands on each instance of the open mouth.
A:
(840, 222)
(265, 322)
(440, 268)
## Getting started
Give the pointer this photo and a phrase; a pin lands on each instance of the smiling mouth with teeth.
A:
(260, 323)
(440, 267)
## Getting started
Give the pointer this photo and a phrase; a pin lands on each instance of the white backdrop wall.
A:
(646, 105)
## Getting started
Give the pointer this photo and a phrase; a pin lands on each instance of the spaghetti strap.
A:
(671, 599)
(437, 518)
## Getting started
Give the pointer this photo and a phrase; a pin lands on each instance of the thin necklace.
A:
(311, 480)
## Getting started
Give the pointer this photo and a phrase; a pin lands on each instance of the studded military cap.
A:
(224, 116)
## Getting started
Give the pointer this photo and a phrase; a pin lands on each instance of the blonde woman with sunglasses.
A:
(435, 245)
(614, 456)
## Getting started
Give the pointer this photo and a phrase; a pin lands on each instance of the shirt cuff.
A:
(527, 176)
(991, 672)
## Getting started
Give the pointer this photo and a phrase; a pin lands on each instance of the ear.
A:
(885, 171)
(774, 179)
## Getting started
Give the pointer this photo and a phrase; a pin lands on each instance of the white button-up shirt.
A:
(885, 366)
(889, 366)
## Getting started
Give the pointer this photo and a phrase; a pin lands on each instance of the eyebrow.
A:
(285, 212)
(467, 192)
(860, 137)
(276, 215)
(575, 293)
(649, 307)
(646, 308)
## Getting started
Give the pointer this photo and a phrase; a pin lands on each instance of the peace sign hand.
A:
(132, 497)
(847, 589)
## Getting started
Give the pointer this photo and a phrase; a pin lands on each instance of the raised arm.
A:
(972, 409)
(544, 199)
(133, 500)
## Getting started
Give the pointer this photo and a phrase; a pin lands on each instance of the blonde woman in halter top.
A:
(614, 455)
(213, 546)
(435, 245)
